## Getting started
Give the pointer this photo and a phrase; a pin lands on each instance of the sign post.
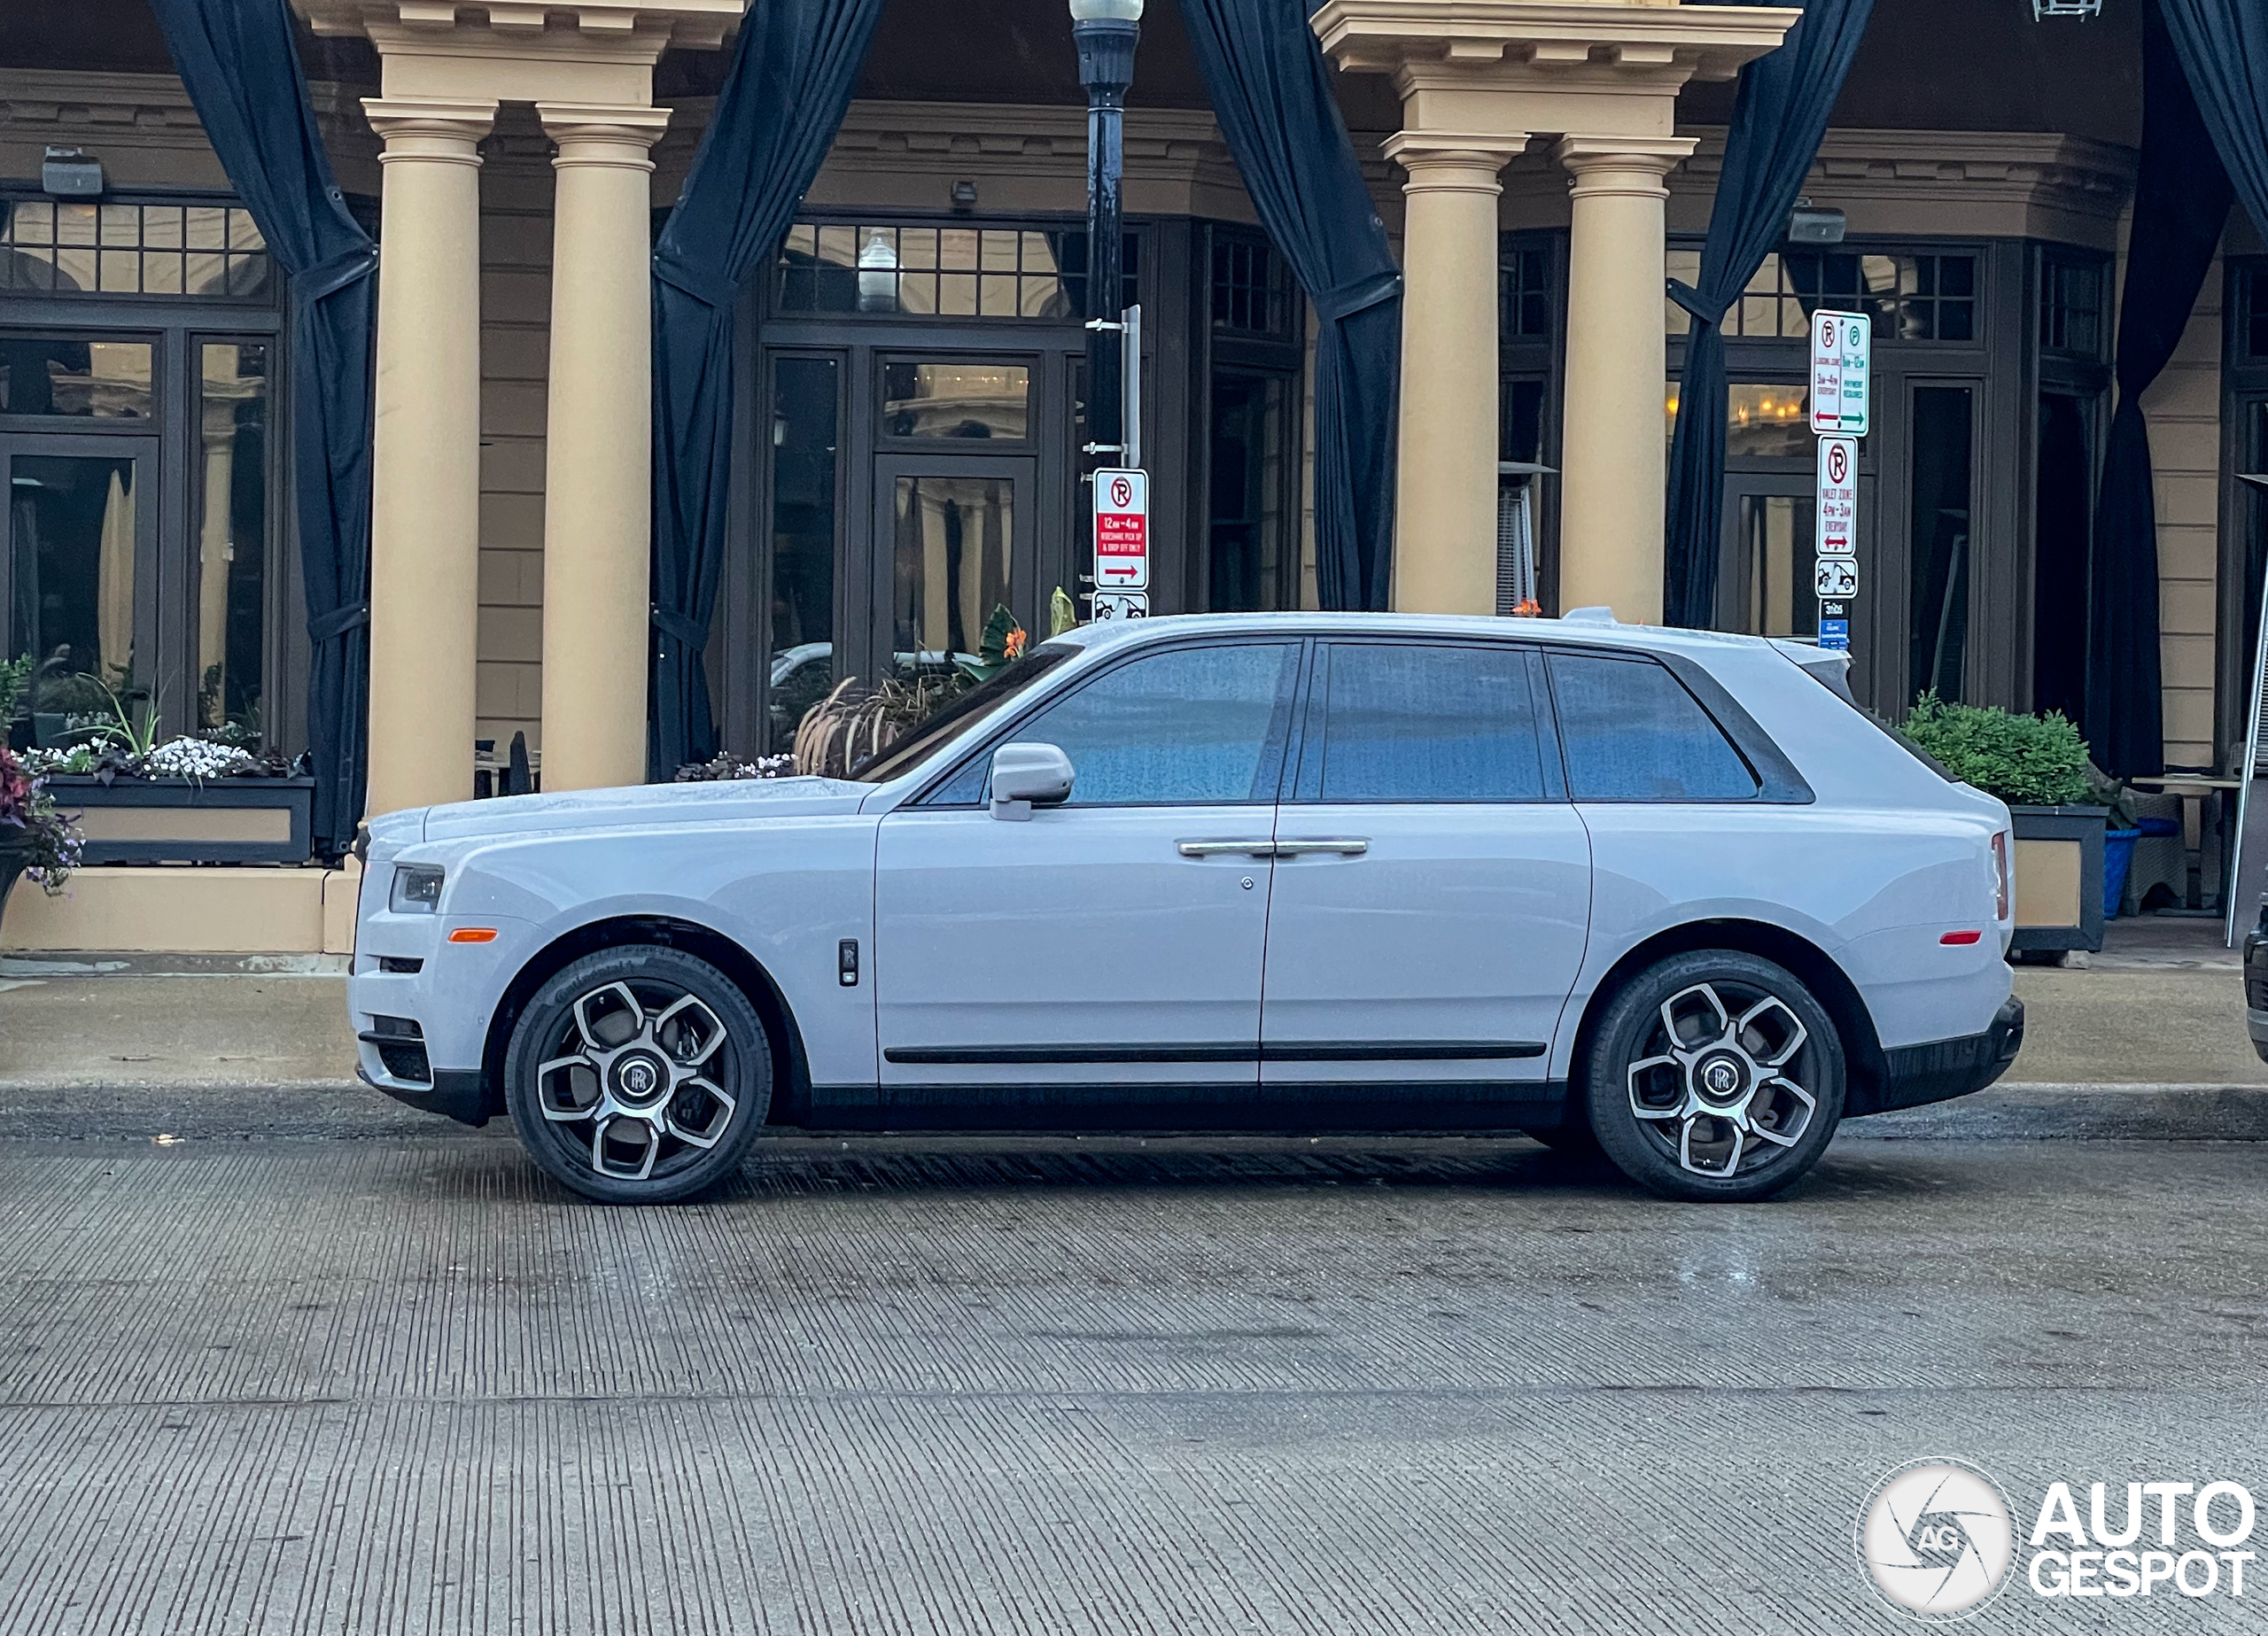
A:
(1842, 361)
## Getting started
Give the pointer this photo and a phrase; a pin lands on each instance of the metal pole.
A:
(1105, 46)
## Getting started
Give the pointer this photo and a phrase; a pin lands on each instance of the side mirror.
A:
(1025, 776)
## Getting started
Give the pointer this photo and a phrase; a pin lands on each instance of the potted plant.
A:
(2038, 765)
(34, 838)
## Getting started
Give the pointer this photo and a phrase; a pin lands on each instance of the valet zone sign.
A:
(1841, 365)
(1122, 528)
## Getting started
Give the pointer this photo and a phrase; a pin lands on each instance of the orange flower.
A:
(1013, 647)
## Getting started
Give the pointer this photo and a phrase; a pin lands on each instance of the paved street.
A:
(384, 1383)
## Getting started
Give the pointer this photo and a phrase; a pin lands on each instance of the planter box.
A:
(178, 821)
(2059, 877)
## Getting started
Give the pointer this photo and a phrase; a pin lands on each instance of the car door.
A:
(1432, 887)
(1099, 960)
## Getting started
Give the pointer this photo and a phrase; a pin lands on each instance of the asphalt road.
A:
(395, 1384)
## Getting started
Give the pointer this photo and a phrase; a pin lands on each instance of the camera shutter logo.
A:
(1936, 1538)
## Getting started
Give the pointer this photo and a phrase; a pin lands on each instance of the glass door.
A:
(1764, 584)
(78, 570)
(953, 538)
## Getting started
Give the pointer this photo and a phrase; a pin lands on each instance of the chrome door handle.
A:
(1265, 846)
(1346, 845)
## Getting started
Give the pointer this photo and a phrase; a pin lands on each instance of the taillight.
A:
(1999, 875)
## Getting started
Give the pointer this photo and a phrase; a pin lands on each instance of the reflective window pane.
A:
(49, 374)
(1775, 537)
(976, 399)
(1940, 443)
(1247, 560)
(1632, 733)
(952, 537)
(1192, 727)
(232, 535)
(63, 247)
(805, 394)
(74, 532)
(1430, 724)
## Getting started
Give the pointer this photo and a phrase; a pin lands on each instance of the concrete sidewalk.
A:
(143, 1045)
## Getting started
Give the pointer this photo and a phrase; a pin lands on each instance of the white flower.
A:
(196, 758)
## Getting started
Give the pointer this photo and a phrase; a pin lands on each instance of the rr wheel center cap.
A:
(1721, 1077)
(639, 1080)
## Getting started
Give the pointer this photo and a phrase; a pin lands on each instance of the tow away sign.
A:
(1842, 357)
(1122, 530)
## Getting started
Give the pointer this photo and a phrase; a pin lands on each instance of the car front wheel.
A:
(638, 1075)
(1715, 1075)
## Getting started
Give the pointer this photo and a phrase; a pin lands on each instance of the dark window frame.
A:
(177, 327)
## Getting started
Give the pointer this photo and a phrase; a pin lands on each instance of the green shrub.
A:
(2031, 761)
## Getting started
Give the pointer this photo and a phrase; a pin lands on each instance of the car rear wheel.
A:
(1715, 1075)
(638, 1075)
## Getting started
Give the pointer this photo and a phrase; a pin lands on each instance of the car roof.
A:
(1591, 627)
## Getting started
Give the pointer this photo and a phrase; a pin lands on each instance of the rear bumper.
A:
(1917, 1075)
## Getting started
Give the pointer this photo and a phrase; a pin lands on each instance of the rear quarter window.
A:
(1631, 732)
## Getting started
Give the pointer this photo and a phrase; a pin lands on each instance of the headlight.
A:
(416, 890)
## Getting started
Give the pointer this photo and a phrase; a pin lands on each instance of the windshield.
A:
(918, 745)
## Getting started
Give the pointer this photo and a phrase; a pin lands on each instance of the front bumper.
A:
(1914, 1075)
(461, 1096)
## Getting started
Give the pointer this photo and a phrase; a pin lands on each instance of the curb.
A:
(346, 1110)
(2052, 1113)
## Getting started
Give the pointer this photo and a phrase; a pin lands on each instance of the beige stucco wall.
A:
(2184, 411)
(515, 190)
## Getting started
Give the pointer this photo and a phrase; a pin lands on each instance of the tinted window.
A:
(1429, 723)
(1188, 727)
(1632, 733)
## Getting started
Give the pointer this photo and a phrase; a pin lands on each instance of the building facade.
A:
(909, 367)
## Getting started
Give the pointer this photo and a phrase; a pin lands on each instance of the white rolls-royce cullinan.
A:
(1666, 893)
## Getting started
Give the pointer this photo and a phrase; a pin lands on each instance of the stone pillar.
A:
(598, 491)
(425, 479)
(1614, 459)
(1445, 498)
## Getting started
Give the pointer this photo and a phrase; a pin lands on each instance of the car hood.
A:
(642, 805)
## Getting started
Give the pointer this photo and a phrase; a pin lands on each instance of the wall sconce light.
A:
(1815, 224)
(964, 195)
(71, 173)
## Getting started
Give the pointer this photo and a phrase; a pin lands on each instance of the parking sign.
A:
(1122, 530)
(1838, 497)
(1842, 359)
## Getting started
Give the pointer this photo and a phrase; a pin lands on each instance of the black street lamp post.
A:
(1106, 32)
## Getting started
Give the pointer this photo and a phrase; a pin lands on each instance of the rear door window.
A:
(1631, 732)
(1424, 722)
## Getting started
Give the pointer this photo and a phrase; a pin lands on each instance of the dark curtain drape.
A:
(241, 68)
(2181, 203)
(1271, 91)
(2223, 45)
(1778, 119)
(794, 68)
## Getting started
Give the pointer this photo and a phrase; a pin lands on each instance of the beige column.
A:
(598, 491)
(1613, 458)
(425, 477)
(1445, 504)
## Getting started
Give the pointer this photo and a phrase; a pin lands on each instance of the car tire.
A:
(638, 1075)
(1714, 1075)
